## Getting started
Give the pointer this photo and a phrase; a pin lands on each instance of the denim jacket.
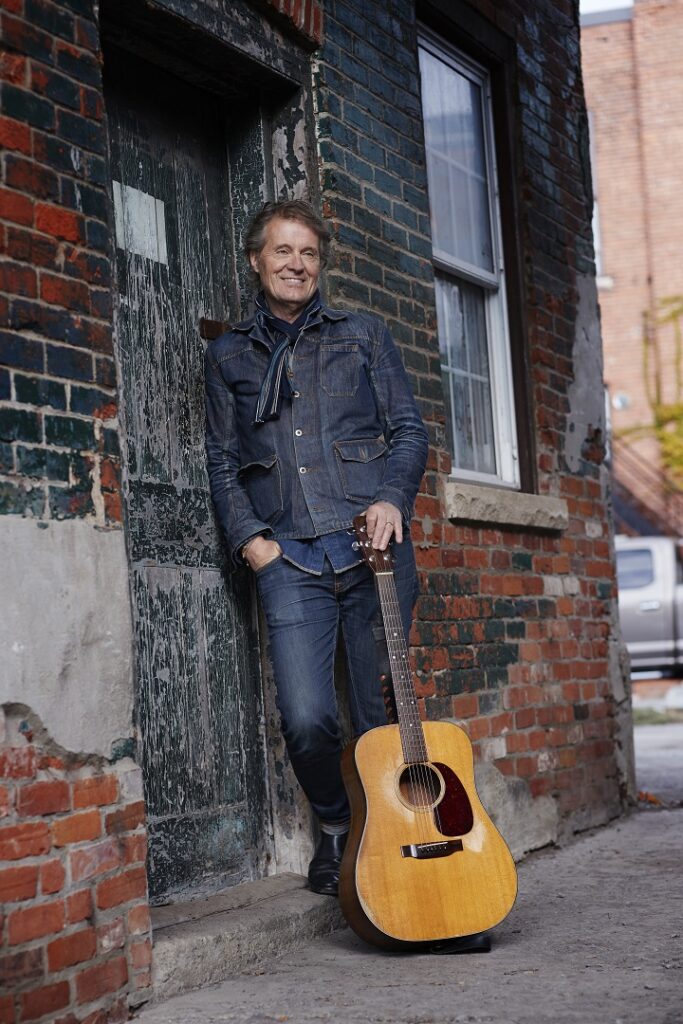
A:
(349, 434)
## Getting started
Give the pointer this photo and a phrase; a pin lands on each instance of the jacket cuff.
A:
(238, 541)
(395, 497)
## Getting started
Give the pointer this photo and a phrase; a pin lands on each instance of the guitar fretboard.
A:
(410, 726)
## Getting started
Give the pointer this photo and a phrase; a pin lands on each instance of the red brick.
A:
(95, 859)
(465, 705)
(96, 790)
(139, 921)
(20, 883)
(129, 885)
(97, 981)
(143, 979)
(18, 762)
(71, 949)
(111, 935)
(15, 207)
(77, 828)
(58, 222)
(114, 1013)
(44, 1000)
(34, 922)
(52, 876)
(141, 953)
(63, 291)
(7, 1010)
(135, 848)
(41, 798)
(15, 135)
(79, 906)
(6, 800)
(18, 969)
(27, 840)
(126, 819)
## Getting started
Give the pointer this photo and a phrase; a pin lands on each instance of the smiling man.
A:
(311, 420)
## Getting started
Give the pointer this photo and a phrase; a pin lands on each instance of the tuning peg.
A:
(355, 546)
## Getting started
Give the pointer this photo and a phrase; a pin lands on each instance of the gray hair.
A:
(286, 209)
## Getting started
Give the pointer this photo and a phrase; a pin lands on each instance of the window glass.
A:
(634, 568)
(470, 282)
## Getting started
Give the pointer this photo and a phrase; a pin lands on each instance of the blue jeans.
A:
(303, 612)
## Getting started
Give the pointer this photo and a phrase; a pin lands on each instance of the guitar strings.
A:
(421, 772)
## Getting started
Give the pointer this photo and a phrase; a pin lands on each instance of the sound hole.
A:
(420, 785)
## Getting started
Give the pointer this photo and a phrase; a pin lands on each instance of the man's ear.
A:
(254, 261)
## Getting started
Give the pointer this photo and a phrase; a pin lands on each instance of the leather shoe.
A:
(323, 871)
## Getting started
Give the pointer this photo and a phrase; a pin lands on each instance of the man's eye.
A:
(281, 251)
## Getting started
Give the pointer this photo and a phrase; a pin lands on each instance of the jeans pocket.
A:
(266, 567)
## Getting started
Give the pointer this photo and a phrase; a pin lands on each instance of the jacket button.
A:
(302, 469)
(296, 394)
(298, 433)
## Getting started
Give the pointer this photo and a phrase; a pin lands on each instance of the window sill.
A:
(476, 503)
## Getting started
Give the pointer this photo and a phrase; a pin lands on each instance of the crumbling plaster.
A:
(65, 631)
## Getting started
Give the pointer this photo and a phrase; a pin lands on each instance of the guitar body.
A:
(423, 861)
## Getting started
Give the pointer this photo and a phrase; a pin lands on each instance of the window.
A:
(467, 253)
(634, 568)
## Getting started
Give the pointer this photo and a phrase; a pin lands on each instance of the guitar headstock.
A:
(379, 561)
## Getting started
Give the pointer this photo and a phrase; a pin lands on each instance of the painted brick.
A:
(18, 763)
(35, 922)
(95, 859)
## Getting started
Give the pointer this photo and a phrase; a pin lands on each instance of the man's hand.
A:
(383, 520)
(261, 551)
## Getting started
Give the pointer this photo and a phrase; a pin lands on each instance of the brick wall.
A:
(59, 453)
(514, 627)
(634, 85)
(74, 929)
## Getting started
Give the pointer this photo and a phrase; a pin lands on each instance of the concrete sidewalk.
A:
(596, 937)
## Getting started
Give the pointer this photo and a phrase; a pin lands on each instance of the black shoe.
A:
(323, 871)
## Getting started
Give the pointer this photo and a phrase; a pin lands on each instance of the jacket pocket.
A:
(339, 366)
(361, 466)
(263, 481)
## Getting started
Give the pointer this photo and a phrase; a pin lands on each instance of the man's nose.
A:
(295, 261)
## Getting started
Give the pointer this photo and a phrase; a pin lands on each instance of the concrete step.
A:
(202, 941)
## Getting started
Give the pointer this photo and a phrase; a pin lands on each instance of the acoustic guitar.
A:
(423, 861)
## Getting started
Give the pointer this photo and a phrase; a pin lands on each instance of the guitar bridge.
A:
(424, 851)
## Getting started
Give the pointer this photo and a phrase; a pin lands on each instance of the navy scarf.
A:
(283, 335)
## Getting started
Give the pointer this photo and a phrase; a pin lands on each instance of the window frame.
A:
(493, 284)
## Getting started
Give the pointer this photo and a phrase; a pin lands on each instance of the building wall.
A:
(634, 85)
(515, 633)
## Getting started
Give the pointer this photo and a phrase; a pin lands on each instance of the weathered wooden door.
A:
(198, 698)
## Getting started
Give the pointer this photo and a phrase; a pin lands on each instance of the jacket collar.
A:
(254, 330)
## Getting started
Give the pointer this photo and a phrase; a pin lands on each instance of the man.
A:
(310, 421)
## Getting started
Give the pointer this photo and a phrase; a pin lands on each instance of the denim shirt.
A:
(349, 434)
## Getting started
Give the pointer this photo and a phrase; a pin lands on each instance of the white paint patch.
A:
(140, 223)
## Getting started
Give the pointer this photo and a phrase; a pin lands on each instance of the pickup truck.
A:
(650, 578)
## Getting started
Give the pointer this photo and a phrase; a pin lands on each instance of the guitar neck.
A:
(410, 725)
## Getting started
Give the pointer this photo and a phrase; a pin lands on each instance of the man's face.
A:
(288, 266)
